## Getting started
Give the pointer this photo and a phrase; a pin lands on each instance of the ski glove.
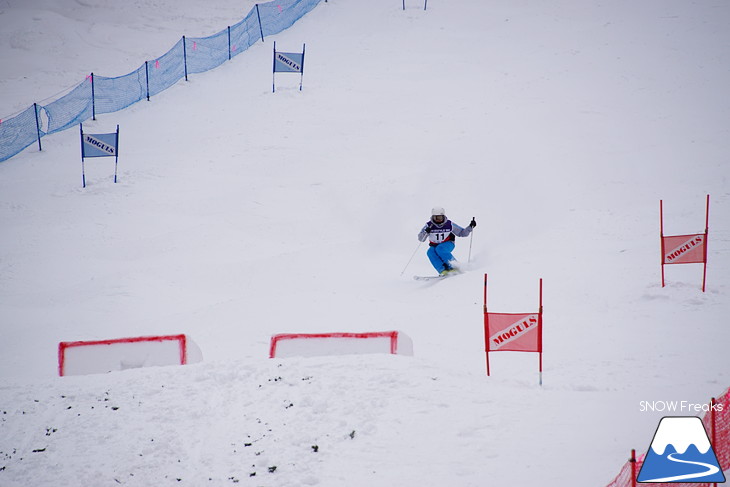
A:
(473, 223)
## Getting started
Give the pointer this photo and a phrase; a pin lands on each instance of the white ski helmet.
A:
(437, 211)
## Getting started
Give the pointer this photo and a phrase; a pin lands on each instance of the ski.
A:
(428, 278)
(440, 276)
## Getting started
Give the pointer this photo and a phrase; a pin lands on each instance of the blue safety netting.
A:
(166, 70)
(206, 52)
(72, 109)
(18, 132)
(277, 16)
(99, 94)
(112, 94)
(246, 33)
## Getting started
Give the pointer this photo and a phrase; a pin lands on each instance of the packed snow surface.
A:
(240, 213)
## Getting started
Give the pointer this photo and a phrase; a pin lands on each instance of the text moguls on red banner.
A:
(685, 249)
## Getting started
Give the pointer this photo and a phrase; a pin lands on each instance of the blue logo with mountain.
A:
(681, 452)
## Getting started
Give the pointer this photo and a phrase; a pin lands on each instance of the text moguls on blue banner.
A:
(288, 62)
(100, 145)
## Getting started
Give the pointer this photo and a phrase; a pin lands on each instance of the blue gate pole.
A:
(301, 80)
(37, 126)
(273, 72)
(229, 42)
(261, 29)
(116, 161)
(83, 173)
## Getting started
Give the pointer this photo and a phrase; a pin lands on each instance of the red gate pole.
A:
(539, 331)
(707, 225)
(486, 324)
(661, 235)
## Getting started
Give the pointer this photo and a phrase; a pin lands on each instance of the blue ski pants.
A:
(440, 255)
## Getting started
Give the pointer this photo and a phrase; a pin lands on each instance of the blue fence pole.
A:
(261, 29)
(185, 58)
(37, 125)
(93, 101)
(147, 78)
(229, 42)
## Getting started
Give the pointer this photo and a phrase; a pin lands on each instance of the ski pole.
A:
(471, 239)
(412, 256)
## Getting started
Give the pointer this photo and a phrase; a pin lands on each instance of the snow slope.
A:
(240, 214)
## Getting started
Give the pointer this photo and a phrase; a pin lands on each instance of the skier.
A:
(441, 233)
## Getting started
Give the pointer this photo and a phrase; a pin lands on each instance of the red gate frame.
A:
(704, 252)
(393, 335)
(63, 346)
(539, 329)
